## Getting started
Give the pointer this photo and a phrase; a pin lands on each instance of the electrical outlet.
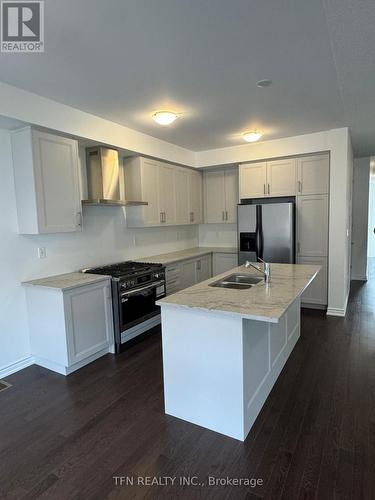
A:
(42, 253)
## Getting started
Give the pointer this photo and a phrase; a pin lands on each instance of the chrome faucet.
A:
(266, 271)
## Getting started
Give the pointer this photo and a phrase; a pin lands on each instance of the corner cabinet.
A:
(220, 196)
(173, 193)
(46, 182)
(70, 328)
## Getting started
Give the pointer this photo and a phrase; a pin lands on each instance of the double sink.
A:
(237, 281)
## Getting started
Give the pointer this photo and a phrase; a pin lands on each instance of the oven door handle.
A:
(148, 287)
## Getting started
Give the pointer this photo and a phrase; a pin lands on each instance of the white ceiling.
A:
(123, 59)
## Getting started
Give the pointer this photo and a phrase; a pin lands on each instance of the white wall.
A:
(218, 235)
(371, 225)
(105, 239)
(361, 178)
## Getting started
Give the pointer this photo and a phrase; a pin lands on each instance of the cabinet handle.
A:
(269, 190)
(264, 189)
(298, 247)
(299, 186)
(161, 217)
(165, 216)
(199, 265)
(79, 219)
(226, 215)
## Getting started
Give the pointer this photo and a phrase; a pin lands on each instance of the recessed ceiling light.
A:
(264, 83)
(164, 117)
(252, 136)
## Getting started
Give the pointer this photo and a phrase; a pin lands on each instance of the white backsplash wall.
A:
(218, 235)
(105, 239)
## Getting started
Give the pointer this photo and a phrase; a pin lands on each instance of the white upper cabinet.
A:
(46, 182)
(281, 177)
(231, 194)
(182, 196)
(253, 180)
(173, 193)
(214, 196)
(272, 178)
(141, 183)
(220, 196)
(167, 193)
(312, 225)
(313, 174)
(195, 197)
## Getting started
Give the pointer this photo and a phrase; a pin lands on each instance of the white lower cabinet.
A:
(316, 294)
(187, 273)
(224, 262)
(204, 268)
(70, 328)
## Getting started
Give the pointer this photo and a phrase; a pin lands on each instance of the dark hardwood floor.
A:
(66, 438)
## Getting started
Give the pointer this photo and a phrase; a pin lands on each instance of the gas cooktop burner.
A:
(124, 268)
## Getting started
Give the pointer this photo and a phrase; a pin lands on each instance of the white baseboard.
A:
(341, 312)
(7, 370)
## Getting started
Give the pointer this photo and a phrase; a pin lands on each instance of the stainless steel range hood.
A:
(103, 178)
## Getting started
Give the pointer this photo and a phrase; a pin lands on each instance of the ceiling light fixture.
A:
(264, 83)
(164, 117)
(252, 136)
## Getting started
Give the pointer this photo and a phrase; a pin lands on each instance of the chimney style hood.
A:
(103, 178)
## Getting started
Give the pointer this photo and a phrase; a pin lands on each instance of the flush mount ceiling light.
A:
(264, 83)
(164, 117)
(252, 136)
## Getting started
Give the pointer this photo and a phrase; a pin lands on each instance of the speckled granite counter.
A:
(66, 281)
(263, 302)
(190, 253)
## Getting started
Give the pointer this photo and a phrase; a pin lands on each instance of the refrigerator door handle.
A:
(259, 232)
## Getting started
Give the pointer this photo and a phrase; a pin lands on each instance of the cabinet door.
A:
(195, 197)
(313, 175)
(231, 194)
(150, 193)
(224, 262)
(181, 186)
(312, 226)
(204, 268)
(56, 180)
(88, 316)
(317, 291)
(188, 273)
(253, 179)
(214, 196)
(167, 200)
(281, 177)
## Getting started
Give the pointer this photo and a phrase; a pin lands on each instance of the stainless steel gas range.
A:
(136, 286)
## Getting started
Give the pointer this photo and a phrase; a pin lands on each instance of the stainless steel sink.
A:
(247, 279)
(237, 281)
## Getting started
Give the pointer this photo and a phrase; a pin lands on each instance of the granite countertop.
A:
(262, 302)
(66, 281)
(190, 253)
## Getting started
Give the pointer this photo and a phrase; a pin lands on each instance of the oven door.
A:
(138, 305)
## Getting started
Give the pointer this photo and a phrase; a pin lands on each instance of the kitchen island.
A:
(224, 348)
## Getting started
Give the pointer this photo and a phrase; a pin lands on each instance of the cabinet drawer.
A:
(172, 272)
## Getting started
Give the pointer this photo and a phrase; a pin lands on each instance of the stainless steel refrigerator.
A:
(266, 230)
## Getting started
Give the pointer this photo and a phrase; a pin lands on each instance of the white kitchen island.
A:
(223, 348)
